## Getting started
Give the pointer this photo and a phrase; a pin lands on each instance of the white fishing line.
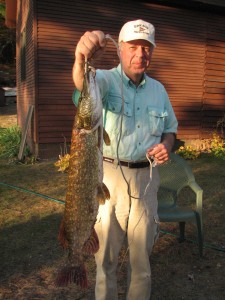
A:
(151, 163)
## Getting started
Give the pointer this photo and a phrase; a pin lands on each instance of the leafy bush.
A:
(2, 10)
(10, 139)
(188, 152)
(7, 40)
(214, 146)
(217, 146)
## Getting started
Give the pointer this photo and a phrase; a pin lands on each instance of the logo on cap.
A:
(141, 29)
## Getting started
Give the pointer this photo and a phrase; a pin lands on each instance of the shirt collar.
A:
(126, 80)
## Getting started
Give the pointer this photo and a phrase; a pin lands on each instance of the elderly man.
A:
(148, 129)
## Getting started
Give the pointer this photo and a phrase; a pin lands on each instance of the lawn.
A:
(30, 254)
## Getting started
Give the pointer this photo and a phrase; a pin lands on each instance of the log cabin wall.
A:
(26, 67)
(213, 107)
(181, 61)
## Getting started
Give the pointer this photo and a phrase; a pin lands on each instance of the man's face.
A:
(135, 56)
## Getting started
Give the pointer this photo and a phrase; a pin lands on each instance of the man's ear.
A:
(119, 48)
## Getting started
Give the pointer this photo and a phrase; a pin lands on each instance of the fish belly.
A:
(81, 202)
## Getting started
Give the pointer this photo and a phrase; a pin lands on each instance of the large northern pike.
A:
(85, 188)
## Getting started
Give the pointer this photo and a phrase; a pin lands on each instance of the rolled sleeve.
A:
(76, 96)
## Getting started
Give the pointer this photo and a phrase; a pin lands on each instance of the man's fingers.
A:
(101, 38)
(159, 152)
(90, 43)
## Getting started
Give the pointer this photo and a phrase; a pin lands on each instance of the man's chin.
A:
(139, 70)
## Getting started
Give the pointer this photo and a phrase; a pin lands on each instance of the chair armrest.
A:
(199, 193)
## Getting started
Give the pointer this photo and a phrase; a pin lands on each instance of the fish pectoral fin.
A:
(102, 193)
(106, 137)
(106, 191)
(91, 246)
(62, 235)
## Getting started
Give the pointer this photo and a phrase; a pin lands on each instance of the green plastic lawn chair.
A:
(175, 176)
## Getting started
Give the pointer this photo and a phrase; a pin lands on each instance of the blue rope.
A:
(31, 192)
(63, 202)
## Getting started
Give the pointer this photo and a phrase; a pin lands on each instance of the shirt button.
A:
(138, 108)
(138, 126)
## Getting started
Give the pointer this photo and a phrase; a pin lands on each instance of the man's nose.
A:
(139, 51)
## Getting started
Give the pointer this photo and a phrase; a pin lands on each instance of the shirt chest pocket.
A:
(115, 108)
(156, 119)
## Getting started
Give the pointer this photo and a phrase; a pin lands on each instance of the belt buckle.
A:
(130, 165)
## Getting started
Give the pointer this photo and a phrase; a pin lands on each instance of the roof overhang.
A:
(203, 5)
(215, 5)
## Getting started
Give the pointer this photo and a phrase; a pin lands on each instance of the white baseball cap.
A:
(137, 30)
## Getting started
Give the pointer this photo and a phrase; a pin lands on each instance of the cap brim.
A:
(129, 40)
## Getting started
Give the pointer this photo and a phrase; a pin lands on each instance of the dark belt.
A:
(131, 165)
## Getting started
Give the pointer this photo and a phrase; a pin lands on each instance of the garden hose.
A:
(31, 192)
(221, 249)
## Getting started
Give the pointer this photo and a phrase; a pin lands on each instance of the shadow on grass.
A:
(8, 110)
(30, 254)
(29, 246)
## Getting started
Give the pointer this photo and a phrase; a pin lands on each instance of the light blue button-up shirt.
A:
(134, 117)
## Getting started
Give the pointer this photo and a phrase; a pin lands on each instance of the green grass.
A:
(10, 139)
(30, 254)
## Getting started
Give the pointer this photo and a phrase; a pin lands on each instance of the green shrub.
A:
(10, 139)
(217, 148)
(214, 146)
(188, 152)
(2, 10)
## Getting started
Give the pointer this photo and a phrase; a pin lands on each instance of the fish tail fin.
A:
(102, 193)
(70, 274)
(62, 235)
(91, 246)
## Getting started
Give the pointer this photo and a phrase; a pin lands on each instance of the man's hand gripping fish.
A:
(85, 187)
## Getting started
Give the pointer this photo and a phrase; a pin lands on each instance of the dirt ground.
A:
(178, 273)
(8, 113)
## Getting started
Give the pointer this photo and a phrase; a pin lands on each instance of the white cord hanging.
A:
(151, 163)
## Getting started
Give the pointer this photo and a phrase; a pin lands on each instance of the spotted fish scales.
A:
(85, 188)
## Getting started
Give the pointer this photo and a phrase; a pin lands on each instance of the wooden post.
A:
(24, 136)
